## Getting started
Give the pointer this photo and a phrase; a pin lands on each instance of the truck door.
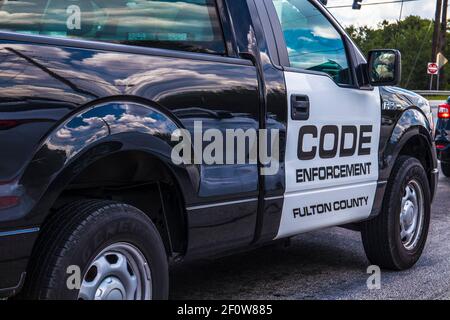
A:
(333, 126)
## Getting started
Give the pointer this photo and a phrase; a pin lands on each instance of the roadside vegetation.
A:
(413, 37)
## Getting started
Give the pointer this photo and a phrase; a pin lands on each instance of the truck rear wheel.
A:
(396, 238)
(445, 169)
(98, 250)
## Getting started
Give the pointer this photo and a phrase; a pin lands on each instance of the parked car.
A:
(442, 136)
(93, 93)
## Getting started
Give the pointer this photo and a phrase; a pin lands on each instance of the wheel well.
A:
(417, 147)
(138, 179)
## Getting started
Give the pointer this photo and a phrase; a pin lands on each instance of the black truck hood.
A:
(394, 98)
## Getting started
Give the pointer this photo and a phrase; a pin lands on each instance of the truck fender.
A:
(98, 130)
(411, 124)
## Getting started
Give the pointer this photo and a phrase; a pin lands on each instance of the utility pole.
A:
(436, 35)
(443, 24)
(442, 42)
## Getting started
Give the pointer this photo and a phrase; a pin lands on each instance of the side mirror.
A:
(384, 67)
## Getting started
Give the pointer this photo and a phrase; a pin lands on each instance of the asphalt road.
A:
(326, 264)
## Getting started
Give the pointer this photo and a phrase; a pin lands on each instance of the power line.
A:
(401, 12)
(418, 54)
(399, 27)
(372, 4)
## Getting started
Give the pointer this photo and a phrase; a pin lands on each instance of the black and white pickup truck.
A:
(96, 97)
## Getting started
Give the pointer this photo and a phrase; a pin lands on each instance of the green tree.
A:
(412, 36)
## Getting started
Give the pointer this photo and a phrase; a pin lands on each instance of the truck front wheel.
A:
(98, 250)
(396, 238)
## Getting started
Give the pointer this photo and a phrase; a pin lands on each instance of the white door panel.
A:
(339, 167)
(309, 210)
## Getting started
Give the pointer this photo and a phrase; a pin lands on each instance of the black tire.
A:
(381, 235)
(77, 233)
(445, 169)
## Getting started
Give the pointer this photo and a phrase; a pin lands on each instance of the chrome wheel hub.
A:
(119, 272)
(411, 215)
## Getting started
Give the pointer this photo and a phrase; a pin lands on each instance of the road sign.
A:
(441, 60)
(433, 68)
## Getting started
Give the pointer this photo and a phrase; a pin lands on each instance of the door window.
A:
(312, 41)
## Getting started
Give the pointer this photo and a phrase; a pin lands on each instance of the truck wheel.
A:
(396, 237)
(445, 169)
(98, 250)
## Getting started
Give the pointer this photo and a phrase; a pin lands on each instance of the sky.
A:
(372, 15)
